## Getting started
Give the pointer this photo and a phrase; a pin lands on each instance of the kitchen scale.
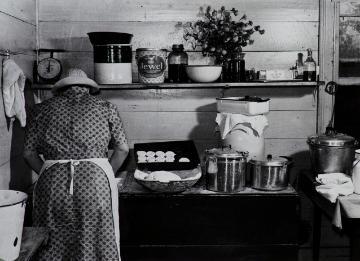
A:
(48, 70)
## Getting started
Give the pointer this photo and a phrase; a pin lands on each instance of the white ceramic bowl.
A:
(203, 73)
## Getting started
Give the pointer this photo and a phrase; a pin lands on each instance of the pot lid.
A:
(227, 153)
(271, 161)
(334, 139)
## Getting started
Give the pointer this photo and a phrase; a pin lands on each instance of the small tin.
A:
(151, 64)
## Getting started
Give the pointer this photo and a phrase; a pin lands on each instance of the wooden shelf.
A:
(139, 86)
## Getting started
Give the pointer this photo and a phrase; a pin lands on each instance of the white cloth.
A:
(162, 176)
(333, 185)
(231, 121)
(104, 164)
(13, 91)
(349, 205)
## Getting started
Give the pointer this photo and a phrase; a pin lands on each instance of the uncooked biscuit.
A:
(183, 159)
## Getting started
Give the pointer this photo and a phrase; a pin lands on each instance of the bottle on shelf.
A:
(309, 68)
(299, 67)
(177, 61)
(238, 73)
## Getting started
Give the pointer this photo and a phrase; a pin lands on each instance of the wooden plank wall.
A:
(151, 115)
(17, 19)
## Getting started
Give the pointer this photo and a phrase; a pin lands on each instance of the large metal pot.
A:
(331, 152)
(269, 174)
(225, 170)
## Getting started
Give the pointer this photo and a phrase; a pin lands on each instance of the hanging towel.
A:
(13, 91)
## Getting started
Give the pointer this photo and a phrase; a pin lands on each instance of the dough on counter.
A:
(170, 153)
(169, 159)
(160, 153)
(163, 176)
(184, 159)
(150, 153)
(142, 159)
(160, 159)
(151, 159)
(141, 153)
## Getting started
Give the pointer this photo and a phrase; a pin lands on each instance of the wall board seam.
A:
(4, 163)
(17, 18)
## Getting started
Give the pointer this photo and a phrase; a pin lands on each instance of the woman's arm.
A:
(118, 157)
(33, 160)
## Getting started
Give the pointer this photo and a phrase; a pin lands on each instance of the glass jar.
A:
(177, 61)
(309, 68)
(238, 73)
(299, 67)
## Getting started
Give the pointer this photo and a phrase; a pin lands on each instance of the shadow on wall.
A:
(301, 161)
(204, 133)
(20, 173)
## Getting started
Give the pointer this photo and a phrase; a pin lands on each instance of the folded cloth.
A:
(13, 91)
(230, 121)
(334, 185)
(350, 205)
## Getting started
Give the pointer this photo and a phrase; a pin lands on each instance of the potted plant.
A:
(220, 36)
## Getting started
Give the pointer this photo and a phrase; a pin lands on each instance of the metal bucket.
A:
(12, 211)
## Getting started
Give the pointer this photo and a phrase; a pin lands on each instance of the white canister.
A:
(356, 172)
(112, 63)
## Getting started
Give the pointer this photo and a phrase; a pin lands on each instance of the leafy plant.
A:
(219, 35)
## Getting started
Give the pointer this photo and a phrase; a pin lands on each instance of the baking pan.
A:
(248, 105)
(182, 149)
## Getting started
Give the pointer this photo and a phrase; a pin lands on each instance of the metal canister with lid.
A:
(332, 152)
(225, 170)
(151, 65)
(270, 174)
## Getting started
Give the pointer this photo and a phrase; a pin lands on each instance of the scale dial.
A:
(49, 69)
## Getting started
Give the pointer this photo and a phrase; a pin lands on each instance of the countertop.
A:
(128, 186)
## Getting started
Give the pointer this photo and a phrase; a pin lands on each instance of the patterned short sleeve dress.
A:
(74, 196)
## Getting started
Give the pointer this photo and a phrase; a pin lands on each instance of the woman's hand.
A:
(33, 160)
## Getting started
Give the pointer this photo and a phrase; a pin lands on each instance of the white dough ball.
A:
(141, 153)
(170, 153)
(150, 153)
(183, 159)
(160, 153)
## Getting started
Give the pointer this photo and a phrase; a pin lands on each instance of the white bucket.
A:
(12, 211)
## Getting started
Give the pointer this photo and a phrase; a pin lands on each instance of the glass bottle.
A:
(177, 61)
(238, 72)
(309, 68)
(299, 67)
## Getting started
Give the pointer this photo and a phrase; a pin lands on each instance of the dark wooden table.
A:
(351, 226)
(202, 225)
